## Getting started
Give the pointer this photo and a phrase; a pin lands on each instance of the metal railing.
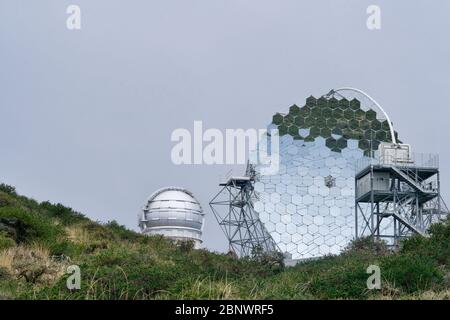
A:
(419, 160)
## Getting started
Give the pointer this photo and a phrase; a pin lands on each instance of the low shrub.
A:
(436, 247)
(368, 245)
(64, 214)
(8, 189)
(122, 232)
(411, 272)
(5, 241)
(6, 200)
(30, 226)
(66, 248)
(343, 279)
(185, 246)
(4, 274)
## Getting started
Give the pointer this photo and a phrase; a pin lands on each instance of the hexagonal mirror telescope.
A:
(307, 207)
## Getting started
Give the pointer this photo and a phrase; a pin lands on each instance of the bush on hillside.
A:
(30, 226)
(368, 245)
(6, 241)
(185, 246)
(122, 232)
(8, 189)
(435, 247)
(64, 214)
(411, 272)
(6, 200)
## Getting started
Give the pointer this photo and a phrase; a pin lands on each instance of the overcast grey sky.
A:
(86, 115)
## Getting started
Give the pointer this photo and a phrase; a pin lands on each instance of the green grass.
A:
(117, 263)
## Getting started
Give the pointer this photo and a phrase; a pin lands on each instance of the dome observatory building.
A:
(174, 213)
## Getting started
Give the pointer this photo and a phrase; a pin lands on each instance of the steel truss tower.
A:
(397, 199)
(233, 209)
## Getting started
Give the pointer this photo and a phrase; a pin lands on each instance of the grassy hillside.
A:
(38, 241)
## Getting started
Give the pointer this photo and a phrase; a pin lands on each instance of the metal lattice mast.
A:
(233, 209)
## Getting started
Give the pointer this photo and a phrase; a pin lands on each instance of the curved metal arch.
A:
(391, 128)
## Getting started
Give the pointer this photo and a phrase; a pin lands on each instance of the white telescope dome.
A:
(175, 213)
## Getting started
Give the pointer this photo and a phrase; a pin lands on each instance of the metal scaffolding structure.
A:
(397, 197)
(233, 209)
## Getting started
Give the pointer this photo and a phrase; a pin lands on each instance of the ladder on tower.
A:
(415, 183)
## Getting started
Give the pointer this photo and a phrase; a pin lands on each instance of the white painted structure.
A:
(174, 213)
